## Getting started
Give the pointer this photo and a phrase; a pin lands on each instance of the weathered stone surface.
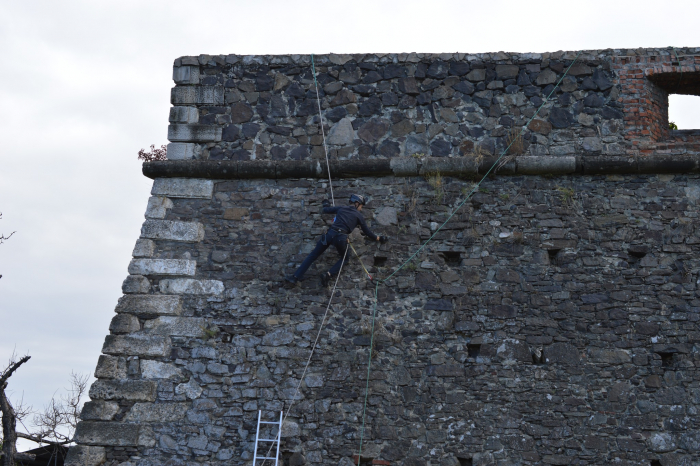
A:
(84, 455)
(149, 306)
(611, 356)
(136, 345)
(158, 207)
(127, 390)
(136, 284)
(562, 353)
(188, 115)
(144, 248)
(158, 370)
(194, 133)
(176, 326)
(110, 367)
(191, 286)
(99, 411)
(386, 216)
(180, 151)
(162, 267)
(342, 133)
(172, 230)
(158, 412)
(191, 95)
(124, 323)
(115, 434)
(183, 188)
(373, 130)
(186, 74)
(191, 390)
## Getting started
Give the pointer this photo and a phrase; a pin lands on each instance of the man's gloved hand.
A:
(383, 239)
(326, 203)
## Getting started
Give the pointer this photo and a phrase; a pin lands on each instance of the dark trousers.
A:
(331, 238)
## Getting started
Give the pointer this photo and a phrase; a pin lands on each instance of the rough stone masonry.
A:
(552, 321)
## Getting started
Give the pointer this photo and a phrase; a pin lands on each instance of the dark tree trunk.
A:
(9, 425)
(9, 417)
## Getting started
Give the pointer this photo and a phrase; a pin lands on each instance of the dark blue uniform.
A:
(347, 218)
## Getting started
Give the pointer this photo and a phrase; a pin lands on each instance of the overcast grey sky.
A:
(86, 84)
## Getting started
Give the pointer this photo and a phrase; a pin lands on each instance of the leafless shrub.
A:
(154, 155)
(55, 425)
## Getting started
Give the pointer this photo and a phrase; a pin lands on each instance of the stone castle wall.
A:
(583, 248)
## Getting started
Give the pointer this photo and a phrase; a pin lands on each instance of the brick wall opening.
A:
(684, 111)
(660, 86)
(655, 463)
(465, 461)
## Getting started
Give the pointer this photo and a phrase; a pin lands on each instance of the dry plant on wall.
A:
(436, 182)
(514, 142)
(475, 151)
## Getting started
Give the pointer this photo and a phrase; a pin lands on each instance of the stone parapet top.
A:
(410, 166)
(413, 57)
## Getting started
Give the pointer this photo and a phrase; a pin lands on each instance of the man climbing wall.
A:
(347, 218)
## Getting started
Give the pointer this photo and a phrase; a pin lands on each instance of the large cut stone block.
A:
(83, 455)
(110, 367)
(144, 248)
(172, 230)
(158, 206)
(99, 410)
(183, 188)
(180, 151)
(162, 267)
(189, 115)
(127, 390)
(191, 286)
(124, 323)
(112, 434)
(150, 305)
(186, 74)
(136, 345)
(194, 95)
(176, 326)
(194, 133)
(150, 412)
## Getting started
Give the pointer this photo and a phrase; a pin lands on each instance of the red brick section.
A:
(645, 104)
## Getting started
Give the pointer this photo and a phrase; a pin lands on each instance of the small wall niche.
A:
(379, 261)
(667, 359)
(452, 258)
(473, 351)
(465, 461)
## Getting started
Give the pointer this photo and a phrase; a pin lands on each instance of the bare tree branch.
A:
(11, 368)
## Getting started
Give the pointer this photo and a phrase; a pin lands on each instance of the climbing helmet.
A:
(357, 198)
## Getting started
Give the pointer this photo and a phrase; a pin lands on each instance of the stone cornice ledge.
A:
(409, 166)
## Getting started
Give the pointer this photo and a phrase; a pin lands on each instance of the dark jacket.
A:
(347, 218)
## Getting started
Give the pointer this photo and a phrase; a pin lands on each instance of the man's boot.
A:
(325, 279)
(291, 279)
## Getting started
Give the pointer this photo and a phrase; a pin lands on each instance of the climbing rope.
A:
(308, 361)
(360, 260)
(380, 281)
(323, 131)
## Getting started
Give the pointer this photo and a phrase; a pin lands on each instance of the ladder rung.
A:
(267, 440)
(268, 422)
(265, 458)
